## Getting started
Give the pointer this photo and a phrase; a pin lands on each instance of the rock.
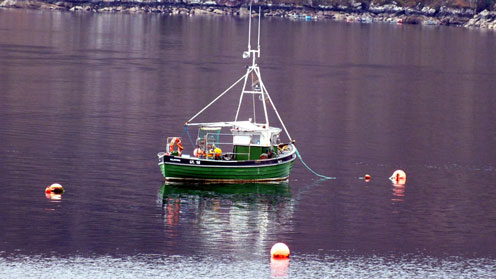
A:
(356, 5)
(8, 3)
(389, 8)
(339, 17)
(459, 12)
(471, 22)
(413, 19)
(454, 20)
(428, 10)
(218, 11)
(430, 21)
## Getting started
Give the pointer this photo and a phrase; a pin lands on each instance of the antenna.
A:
(259, 14)
(254, 52)
(249, 31)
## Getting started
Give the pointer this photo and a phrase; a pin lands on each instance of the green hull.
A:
(192, 169)
(226, 174)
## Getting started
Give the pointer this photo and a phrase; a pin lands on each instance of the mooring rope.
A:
(310, 169)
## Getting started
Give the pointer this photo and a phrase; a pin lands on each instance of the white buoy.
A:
(399, 176)
(279, 251)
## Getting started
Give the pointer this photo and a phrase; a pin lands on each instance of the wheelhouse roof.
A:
(247, 126)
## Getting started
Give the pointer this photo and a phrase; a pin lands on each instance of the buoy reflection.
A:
(53, 196)
(172, 210)
(398, 179)
(279, 267)
(398, 192)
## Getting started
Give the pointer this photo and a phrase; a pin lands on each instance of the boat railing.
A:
(216, 146)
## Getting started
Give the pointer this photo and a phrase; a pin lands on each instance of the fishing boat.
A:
(236, 151)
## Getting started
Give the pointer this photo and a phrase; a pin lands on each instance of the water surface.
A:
(87, 100)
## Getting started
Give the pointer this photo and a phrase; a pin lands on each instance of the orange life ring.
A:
(174, 142)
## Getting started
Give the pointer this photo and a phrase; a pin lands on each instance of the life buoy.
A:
(173, 143)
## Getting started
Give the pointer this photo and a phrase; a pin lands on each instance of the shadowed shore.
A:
(352, 11)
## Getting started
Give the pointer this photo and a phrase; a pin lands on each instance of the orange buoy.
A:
(279, 251)
(55, 188)
(367, 177)
(399, 177)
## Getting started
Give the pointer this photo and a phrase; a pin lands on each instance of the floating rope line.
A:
(310, 169)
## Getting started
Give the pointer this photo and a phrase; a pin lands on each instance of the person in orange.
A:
(176, 141)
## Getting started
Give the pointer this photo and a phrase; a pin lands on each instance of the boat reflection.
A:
(233, 216)
(270, 192)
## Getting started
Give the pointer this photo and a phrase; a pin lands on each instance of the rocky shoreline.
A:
(351, 12)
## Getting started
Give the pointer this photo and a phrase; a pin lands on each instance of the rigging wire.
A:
(186, 130)
(254, 68)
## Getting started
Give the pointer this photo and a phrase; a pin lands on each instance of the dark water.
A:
(87, 100)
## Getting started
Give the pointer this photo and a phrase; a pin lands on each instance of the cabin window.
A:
(275, 139)
(255, 139)
(241, 140)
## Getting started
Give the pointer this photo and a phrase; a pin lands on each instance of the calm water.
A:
(87, 100)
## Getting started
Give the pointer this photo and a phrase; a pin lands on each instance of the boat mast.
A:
(261, 91)
(255, 71)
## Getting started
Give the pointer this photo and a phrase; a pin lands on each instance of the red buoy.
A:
(367, 177)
